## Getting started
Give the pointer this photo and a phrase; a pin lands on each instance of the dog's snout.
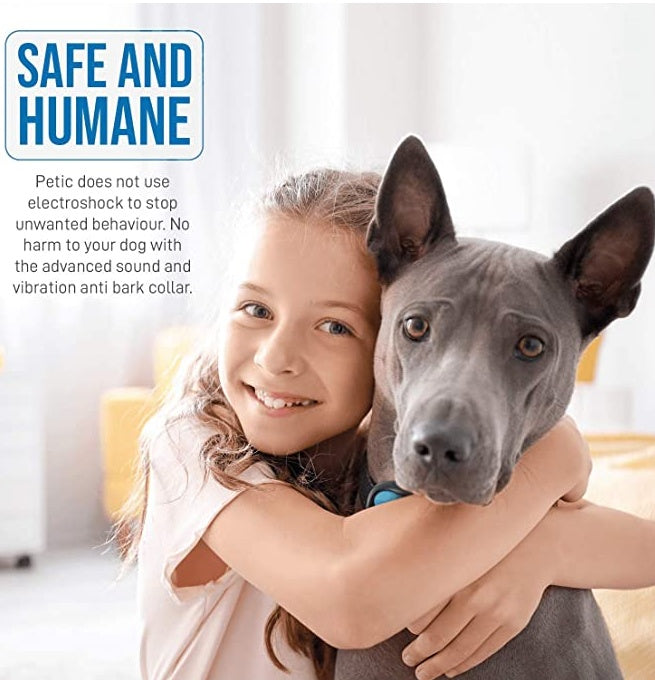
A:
(436, 443)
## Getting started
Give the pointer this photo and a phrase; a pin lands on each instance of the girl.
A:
(244, 464)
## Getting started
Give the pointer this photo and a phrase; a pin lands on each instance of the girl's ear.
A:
(411, 212)
(604, 263)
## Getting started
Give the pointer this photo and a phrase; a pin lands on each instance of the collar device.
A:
(372, 494)
(385, 492)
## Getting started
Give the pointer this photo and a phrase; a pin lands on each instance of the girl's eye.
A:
(256, 311)
(529, 348)
(335, 328)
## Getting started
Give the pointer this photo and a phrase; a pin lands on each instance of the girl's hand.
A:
(480, 619)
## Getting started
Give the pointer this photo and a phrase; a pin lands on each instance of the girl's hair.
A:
(335, 198)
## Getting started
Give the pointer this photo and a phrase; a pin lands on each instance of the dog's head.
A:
(479, 340)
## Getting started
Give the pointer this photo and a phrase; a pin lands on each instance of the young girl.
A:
(245, 464)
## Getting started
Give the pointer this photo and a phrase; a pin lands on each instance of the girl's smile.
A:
(280, 404)
(296, 352)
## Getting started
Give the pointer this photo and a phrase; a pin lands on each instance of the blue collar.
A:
(385, 492)
(371, 494)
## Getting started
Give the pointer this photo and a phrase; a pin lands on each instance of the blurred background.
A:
(537, 116)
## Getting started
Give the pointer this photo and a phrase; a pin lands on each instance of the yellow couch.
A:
(624, 478)
(124, 411)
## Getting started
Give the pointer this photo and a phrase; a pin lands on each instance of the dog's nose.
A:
(437, 443)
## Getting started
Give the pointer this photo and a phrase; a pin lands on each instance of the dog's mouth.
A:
(446, 491)
(503, 479)
(472, 498)
(440, 496)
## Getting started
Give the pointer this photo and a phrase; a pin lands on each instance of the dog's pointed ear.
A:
(604, 263)
(411, 212)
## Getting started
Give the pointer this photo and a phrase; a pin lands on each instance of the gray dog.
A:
(476, 360)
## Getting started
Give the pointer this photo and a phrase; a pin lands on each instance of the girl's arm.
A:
(577, 545)
(592, 546)
(355, 581)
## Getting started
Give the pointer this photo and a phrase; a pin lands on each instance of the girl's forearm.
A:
(597, 547)
(428, 554)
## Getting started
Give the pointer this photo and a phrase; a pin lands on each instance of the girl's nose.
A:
(280, 353)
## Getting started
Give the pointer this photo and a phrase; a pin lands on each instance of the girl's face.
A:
(296, 353)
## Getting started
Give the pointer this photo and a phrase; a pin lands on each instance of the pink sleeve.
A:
(184, 500)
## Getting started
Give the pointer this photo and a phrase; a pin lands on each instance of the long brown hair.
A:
(342, 200)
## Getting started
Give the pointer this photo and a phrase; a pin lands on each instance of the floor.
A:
(66, 617)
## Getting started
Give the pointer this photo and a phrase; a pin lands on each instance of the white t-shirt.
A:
(213, 631)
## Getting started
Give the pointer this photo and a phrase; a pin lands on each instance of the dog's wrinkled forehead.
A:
(482, 278)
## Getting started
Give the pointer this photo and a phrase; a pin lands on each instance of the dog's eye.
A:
(416, 328)
(529, 347)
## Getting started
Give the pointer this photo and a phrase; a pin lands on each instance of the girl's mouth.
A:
(275, 403)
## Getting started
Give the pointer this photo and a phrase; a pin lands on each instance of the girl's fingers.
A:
(420, 624)
(458, 651)
(488, 648)
(443, 629)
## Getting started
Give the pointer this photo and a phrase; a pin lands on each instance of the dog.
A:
(475, 361)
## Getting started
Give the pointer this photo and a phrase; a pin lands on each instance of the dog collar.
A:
(385, 492)
(371, 494)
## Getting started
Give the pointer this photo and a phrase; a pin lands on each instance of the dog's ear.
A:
(411, 212)
(605, 262)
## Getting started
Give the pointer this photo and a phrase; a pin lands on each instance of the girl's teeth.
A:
(277, 403)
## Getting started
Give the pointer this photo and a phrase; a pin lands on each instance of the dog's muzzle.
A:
(444, 462)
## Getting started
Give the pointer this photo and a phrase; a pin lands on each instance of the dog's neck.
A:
(380, 439)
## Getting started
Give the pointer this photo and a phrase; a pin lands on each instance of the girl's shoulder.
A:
(182, 444)
(179, 437)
